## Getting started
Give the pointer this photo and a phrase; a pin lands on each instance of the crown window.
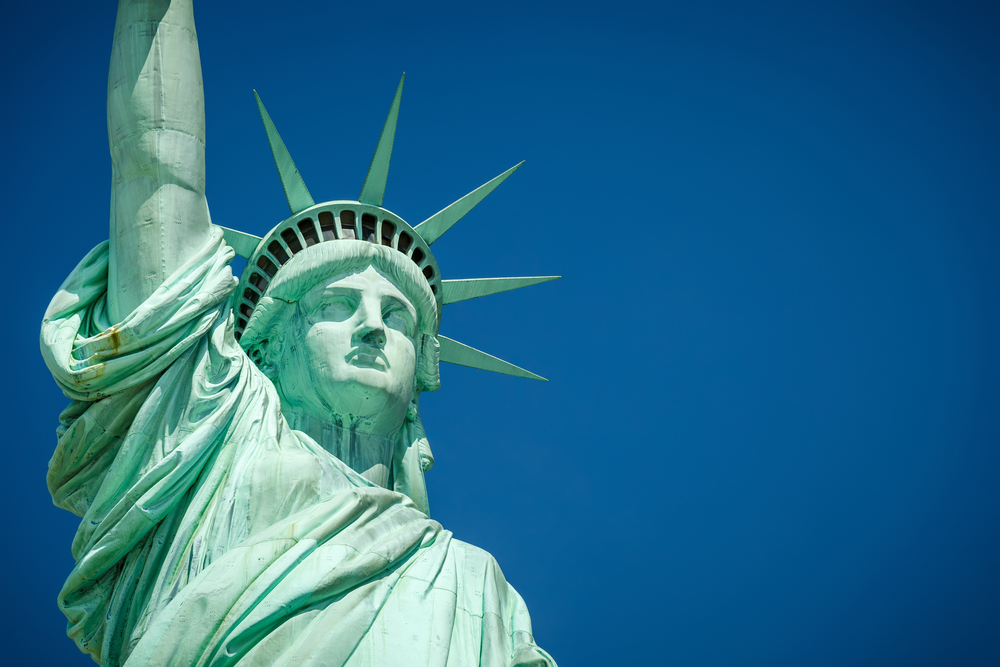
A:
(267, 266)
(308, 230)
(368, 227)
(259, 281)
(347, 224)
(291, 240)
(277, 252)
(405, 241)
(327, 226)
(388, 229)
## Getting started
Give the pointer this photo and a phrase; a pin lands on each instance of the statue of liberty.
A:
(247, 457)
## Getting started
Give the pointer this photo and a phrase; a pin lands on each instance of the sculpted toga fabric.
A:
(212, 534)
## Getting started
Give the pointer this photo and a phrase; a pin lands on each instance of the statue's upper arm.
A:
(156, 133)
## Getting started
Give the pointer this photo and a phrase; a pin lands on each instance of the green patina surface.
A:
(247, 456)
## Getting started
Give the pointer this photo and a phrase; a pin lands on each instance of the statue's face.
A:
(350, 356)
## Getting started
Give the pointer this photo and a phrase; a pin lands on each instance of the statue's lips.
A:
(366, 356)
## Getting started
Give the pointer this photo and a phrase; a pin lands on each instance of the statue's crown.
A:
(366, 220)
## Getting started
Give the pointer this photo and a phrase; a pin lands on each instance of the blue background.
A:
(771, 432)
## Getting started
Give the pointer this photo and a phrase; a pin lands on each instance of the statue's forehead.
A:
(364, 281)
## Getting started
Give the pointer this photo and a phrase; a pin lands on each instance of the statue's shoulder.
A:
(476, 568)
(473, 554)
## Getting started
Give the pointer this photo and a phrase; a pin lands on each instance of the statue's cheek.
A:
(402, 357)
(327, 345)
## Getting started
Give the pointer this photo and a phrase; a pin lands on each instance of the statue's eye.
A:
(398, 319)
(338, 308)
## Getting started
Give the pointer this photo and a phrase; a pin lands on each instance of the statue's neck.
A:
(368, 454)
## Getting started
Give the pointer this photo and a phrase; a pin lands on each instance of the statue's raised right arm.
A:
(156, 132)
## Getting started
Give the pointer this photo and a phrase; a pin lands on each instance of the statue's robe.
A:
(212, 534)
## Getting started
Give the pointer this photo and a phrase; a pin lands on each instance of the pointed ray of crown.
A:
(366, 220)
(373, 190)
(296, 191)
(435, 226)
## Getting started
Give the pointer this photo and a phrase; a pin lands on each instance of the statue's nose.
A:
(374, 337)
(372, 329)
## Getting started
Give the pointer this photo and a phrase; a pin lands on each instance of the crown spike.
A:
(454, 352)
(454, 291)
(373, 190)
(296, 192)
(244, 244)
(434, 227)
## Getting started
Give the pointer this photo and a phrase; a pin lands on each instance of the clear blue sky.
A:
(772, 431)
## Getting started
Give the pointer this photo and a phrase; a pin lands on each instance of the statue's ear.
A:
(428, 375)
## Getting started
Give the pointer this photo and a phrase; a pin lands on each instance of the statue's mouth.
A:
(366, 356)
